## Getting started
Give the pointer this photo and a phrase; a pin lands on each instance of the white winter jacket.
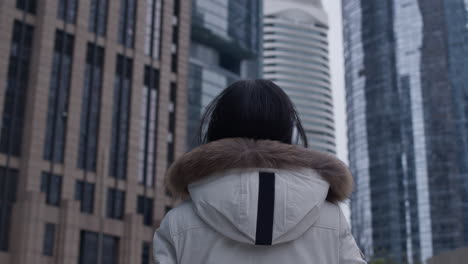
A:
(257, 202)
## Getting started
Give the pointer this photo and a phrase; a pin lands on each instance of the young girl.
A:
(252, 196)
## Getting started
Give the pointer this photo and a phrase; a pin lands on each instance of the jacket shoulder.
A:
(330, 217)
(184, 217)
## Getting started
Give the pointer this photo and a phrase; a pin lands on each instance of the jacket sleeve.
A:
(349, 251)
(163, 244)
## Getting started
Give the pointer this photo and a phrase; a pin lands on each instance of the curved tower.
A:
(296, 58)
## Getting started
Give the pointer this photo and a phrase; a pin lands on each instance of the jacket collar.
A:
(239, 153)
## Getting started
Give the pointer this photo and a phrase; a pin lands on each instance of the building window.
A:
(16, 85)
(120, 118)
(57, 113)
(98, 17)
(8, 180)
(27, 5)
(115, 203)
(51, 185)
(127, 22)
(172, 124)
(148, 130)
(89, 246)
(89, 127)
(174, 63)
(153, 27)
(67, 10)
(145, 253)
(176, 8)
(145, 208)
(84, 192)
(49, 239)
(175, 34)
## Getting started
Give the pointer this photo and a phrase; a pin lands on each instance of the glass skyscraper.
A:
(407, 107)
(225, 47)
(296, 58)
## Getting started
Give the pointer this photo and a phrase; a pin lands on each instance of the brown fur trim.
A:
(236, 153)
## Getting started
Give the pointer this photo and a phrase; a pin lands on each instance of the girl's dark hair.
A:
(256, 109)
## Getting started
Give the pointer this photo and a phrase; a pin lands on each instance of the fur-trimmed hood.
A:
(237, 153)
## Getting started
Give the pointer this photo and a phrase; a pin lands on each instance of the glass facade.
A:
(90, 108)
(407, 125)
(57, 113)
(226, 46)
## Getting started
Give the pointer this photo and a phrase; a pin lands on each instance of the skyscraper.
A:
(295, 42)
(92, 101)
(226, 46)
(407, 106)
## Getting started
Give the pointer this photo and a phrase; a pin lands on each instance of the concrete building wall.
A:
(29, 211)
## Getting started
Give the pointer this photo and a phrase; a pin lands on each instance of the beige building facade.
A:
(93, 111)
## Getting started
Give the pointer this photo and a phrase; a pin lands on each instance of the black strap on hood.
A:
(266, 208)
